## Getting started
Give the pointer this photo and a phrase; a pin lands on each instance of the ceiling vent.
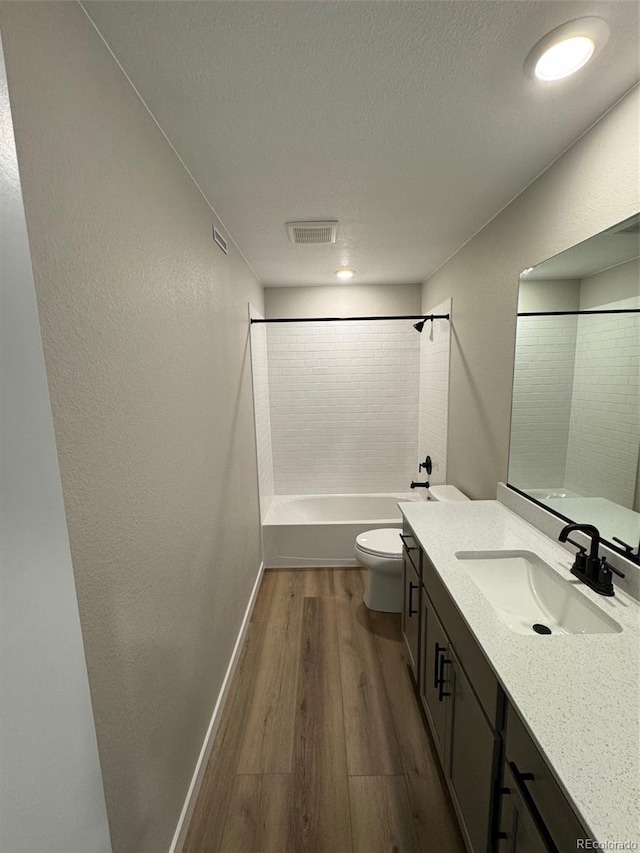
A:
(629, 226)
(312, 233)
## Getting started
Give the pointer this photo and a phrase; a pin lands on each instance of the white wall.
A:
(604, 435)
(262, 412)
(344, 396)
(51, 796)
(543, 384)
(435, 345)
(344, 406)
(591, 187)
(542, 393)
(576, 389)
(146, 342)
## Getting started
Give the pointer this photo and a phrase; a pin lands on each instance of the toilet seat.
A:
(383, 542)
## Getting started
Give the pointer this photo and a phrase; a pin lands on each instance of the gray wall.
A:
(591, 187)
(612, 285)
(145, 334)
(549, 295)
(51, 796)
(351, 300)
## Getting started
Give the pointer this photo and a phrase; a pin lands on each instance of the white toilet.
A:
(380, 552)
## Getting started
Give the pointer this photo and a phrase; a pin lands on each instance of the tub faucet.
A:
(415, 485)
(592, 570)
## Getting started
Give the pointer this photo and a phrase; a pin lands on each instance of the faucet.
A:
(592, 570)
(415, 485)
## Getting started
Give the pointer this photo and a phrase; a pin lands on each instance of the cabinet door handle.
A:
(408, 547)
(436, 664)
(512, 835)
(521, 782)
(441, 691)
(412, 586)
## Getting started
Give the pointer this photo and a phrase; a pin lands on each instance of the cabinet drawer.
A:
(478, 671)
(555, 818)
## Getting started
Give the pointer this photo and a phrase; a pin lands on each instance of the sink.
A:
(524, 591)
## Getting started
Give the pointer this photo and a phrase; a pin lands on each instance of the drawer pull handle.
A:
(412, 586)
(408, 547)
(521, 780)
(442, 693)
(436, 664)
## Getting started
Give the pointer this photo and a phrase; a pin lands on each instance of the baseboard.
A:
(201, 765)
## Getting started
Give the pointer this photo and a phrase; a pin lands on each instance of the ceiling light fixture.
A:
(566, 49)
(345, 274)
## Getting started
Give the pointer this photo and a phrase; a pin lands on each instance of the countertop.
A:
(578, 695)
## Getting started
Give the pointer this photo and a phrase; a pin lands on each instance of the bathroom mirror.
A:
(575, 419)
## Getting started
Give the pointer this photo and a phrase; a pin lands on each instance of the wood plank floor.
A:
(322, 746)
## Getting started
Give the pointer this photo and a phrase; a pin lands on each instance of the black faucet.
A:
(592, 570)
(415, 485)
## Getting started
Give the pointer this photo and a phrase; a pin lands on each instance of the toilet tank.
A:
(446, 493)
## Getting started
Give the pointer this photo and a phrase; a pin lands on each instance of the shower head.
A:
(419, 326)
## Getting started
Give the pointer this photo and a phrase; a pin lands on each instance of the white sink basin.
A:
(525, 591)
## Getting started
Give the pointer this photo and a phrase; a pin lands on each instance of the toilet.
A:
(380, 552)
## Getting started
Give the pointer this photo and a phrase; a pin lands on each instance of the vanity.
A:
(537, 733)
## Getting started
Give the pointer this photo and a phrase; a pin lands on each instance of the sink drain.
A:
(541, 629)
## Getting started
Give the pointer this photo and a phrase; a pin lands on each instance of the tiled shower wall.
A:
(604, 434)
(434, 393)
(576, 398)
(261, 411)
(344, 406)
(541, 410)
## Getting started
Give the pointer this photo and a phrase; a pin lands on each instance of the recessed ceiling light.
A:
(345, 274)
(566, 49)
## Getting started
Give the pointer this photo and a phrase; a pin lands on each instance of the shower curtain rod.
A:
(347, 319)
(566, 313)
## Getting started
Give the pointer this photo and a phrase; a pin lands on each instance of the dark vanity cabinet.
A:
(534, 814)
(502, 791)
(465, 732)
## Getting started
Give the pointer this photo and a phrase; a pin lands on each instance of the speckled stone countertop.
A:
(578, 695)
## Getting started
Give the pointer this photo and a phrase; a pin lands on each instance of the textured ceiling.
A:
(412, 123)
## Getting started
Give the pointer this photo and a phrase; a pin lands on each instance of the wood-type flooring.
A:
(322, 747)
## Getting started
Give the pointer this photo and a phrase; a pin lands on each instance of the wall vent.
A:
(629, 226)
(312, 233)
(219, 239)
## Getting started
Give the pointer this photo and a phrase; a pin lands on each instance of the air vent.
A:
(312, 233)
(219, 239)
(629, 226)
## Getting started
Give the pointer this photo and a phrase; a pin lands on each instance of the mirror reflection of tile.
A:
(575, 430)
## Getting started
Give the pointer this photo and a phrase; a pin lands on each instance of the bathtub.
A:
(303, 531)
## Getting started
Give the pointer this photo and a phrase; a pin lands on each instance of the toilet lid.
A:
(384, 542)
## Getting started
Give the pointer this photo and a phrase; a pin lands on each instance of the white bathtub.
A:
(320, 530)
